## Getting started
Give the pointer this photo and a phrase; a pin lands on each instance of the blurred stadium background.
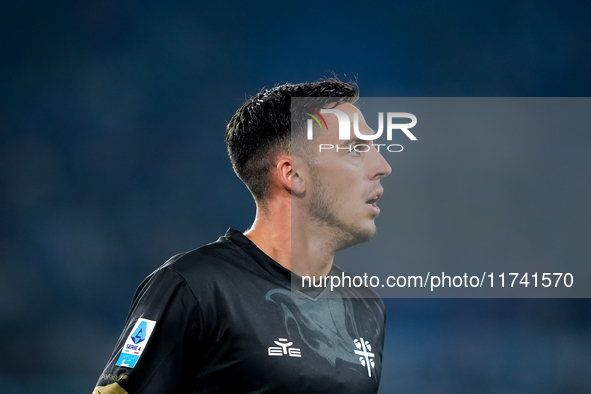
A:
(112, 159)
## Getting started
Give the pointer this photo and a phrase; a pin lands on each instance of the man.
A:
(224, 318)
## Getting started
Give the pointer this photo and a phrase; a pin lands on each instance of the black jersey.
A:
(222, 319)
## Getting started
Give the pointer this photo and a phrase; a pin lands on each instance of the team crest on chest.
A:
(363, 349)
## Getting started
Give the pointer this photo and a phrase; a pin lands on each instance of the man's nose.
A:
(380, 167)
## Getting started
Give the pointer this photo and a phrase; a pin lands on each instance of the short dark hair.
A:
(261, 128)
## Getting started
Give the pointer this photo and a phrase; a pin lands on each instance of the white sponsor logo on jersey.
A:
(284, 348)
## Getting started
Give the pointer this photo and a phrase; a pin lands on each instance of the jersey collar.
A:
(279, 272)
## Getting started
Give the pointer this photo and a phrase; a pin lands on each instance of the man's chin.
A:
(367, 233)
(357, 235)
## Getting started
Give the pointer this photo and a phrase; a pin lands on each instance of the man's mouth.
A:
(375, 198)
(372, 200)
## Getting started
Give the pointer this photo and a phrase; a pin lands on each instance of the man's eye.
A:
(359, 149)
(356, 150)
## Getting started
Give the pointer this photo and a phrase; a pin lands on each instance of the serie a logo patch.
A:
(136, 343)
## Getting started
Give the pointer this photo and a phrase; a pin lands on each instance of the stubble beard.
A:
(323, 211)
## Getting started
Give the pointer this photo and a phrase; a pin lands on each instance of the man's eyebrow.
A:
(354, 140)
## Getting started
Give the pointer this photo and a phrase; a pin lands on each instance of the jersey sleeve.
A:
(158, 349)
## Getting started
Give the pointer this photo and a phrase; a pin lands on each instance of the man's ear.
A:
(289, 176)
(283, 171)
(299, 176)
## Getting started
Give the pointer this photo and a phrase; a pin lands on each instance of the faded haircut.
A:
(261, 129)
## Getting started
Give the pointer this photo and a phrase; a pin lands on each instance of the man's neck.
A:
(291, 241)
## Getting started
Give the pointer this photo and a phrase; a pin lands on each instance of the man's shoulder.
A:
(209, 262)
(204, 257)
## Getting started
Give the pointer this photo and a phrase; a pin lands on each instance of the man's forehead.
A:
(350, 110)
